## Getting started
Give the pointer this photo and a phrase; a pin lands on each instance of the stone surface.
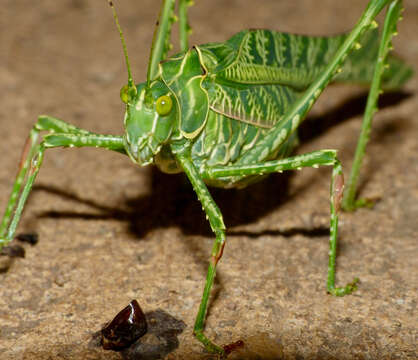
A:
(110, 231)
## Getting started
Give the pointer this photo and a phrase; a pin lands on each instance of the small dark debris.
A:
(8, 254)
(31, 238)
(13, 251)
(5, 263)
(127, 327)
(160, 340)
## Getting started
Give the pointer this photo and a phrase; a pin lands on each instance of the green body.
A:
(227, 114)
(228, 95)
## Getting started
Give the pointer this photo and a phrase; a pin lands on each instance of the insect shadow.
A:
(172, 202)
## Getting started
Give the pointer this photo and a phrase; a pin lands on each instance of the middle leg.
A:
(314, 159)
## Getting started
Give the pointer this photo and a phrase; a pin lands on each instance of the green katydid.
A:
(227, 113)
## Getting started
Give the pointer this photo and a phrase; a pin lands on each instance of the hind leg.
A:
(350, 202)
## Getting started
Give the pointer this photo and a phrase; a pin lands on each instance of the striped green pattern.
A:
(257, 74)
(262, 106)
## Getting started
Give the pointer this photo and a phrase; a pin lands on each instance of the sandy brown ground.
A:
(111, 231)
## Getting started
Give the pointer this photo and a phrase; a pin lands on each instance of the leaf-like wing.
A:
(262, 106)
(257, 74)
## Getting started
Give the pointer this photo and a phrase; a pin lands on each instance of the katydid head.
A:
(149, 120)
(150, 110)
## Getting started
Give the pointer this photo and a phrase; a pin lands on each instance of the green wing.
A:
(261, 106)
(257, 74)
(269, 57)
(359, 65)
(260, 57)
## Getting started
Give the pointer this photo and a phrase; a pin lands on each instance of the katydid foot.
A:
(222, 351)
(367, 203)
(209, 345)
(346, 290)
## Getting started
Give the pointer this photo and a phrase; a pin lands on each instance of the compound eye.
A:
(128, 93)
(124, 94)
(164, 105)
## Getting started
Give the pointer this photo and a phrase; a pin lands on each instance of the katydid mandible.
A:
(226, 114)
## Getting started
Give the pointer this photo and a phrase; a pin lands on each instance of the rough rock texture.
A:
(110, 231)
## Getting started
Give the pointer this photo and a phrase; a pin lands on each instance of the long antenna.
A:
(125, 51)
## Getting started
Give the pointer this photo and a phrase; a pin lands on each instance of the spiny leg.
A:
(161, 40)
(214, 216)
(279, 133)
(184, 27)
(8, 224)
(30, 148)
(389, 29)
(314, 159)
(59, 134)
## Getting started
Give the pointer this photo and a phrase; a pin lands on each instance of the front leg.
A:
(214, 216)
(59, 134)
